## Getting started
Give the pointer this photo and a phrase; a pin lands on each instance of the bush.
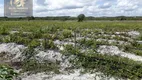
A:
(34, 44)
(34, 67)
(137, 52)
(51, 29)
(109, 65)
(28, 54)
(81, 17)
(37, 34)
(67, 33)
(7, 73)
(16, 39)
(3, 31)
(71, 50)
(48, 44)
(88, 43)
(46, 36)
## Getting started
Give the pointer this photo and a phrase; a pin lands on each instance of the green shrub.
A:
(4, 31)
(137, 52)
(29, 53)
(34, 43)
(19, 40)
(34, 67)
(67, 33)
(88, 43)
(71, 50)
(7, 73)
(51, 29)
(126, 47)
(16, 39)
(48, 44)
(109, 65)
(81, 17)
(6, 39)
(37, 35)
(46, 36)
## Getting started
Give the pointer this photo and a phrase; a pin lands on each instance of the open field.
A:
(57, 50)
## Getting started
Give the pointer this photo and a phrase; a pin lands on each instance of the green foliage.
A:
(126, 47)
(34, 43)
(109, 65)
(16, 39)
(89, 60)
(46, 36)
(4, 31)
(67, 33)
(34, 67)
(63, 18)
(88, 43)
(36, 34)
(51, 29)
(136, 51)
(71, 50)
(29, 53)
(48, 44)
(30, 18)
(81, 17)
(7, 73)
(122, 18)
(30, 64)
(112, 65)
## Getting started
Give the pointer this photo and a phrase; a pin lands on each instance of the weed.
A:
(48, 44)
(4, 31)
(67, 33)
(7, 73)
(34, 43)
(34, 66)
(109, 65)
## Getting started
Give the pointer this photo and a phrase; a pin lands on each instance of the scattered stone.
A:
(134, 34)
(12, 50)
(140, 42)
(76, 75)
(50, 56)
(114, 50)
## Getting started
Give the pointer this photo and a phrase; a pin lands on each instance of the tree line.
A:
(79, 18)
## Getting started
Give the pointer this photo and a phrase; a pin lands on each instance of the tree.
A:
(30, 18)
(81, 17)
(122, 18)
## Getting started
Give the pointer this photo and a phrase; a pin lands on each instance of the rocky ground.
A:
(12, 52)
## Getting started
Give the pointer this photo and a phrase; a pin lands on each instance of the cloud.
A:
(87, 7)
(1, 10)
(105, 5)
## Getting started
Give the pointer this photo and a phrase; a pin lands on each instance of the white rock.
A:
(63, 42)
(119, 33)
(140, 42)
(50, 55)
(70, 76)
(54, 56)
(12, 49)
(113, 41)
(114, 50)
(133, 34)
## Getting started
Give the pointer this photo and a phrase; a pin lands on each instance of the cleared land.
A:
(51, 50)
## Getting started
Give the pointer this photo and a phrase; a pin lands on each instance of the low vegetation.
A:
(85, 37)
(7, 73)
(109, 65)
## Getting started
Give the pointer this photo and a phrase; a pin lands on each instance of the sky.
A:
(96, 8)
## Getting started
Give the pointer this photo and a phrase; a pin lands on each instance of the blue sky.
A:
(88, 7)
